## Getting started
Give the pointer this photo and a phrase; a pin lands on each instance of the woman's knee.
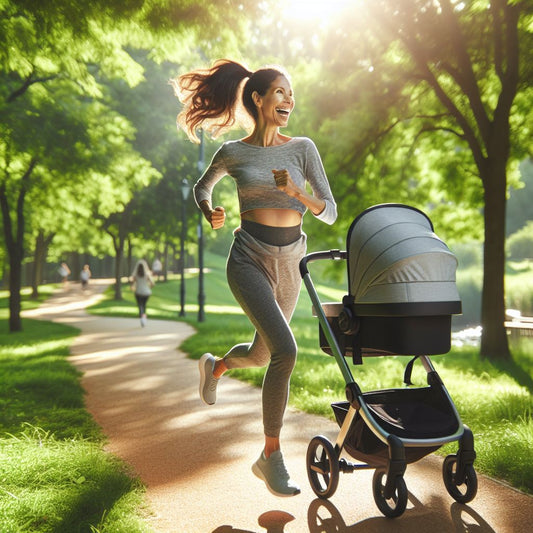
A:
(284, 357)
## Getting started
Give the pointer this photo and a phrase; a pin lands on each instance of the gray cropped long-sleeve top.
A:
(251, 167)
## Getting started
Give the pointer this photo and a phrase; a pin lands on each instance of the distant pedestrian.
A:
(64, 272)
(157, 268)
(142, 283)
(85, 276)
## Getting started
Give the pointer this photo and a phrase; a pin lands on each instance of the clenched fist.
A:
(218, 217)
(284, 182)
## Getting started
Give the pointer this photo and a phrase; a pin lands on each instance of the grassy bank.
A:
(494, 399)
(54, 474)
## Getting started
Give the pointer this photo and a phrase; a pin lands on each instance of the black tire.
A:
(460, 492)
(322, 467)
(394, 506)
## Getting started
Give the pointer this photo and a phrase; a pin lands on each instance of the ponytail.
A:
(210, 98)
(216, 99)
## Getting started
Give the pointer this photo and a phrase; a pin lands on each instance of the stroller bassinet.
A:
(402, 294)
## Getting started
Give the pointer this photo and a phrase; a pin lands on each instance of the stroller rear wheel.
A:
(396, 504)
(322, 467)
(461, 491)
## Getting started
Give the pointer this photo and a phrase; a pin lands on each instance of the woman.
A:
(142, 284)
(85, 276)
(270, 171)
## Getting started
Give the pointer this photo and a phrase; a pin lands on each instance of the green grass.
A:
(495, 400)
(54, 474)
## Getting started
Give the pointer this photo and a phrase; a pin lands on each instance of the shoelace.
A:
(279, 465)
(213, 384)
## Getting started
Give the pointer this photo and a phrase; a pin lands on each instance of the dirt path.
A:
(195, 460)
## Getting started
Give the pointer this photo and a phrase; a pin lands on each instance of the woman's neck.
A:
(266, 137)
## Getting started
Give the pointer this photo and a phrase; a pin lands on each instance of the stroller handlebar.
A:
(335, 255)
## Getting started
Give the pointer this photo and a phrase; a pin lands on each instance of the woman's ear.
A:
(256, 97)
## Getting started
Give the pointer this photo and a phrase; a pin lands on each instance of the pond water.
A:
(467, 337)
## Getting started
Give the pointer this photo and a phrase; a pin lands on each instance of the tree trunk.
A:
(39, 256)
(15, 285)
(119, 256)
(14, 239)
(494, 341)
(129, 265)
(165, 261)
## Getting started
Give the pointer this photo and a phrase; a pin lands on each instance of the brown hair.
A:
(211, 96)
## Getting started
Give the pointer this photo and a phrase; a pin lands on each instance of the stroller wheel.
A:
(461, 491)
(396, 504)
(322, 467)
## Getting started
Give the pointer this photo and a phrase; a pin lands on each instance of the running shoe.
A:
(274, 473)
(208, 382)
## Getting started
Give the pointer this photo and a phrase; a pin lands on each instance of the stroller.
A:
(402, 295)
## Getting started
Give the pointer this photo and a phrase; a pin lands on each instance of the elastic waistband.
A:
(273, 235)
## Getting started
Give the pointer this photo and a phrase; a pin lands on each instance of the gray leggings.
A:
(266, 281)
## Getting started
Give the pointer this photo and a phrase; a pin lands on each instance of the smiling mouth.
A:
(283, 112)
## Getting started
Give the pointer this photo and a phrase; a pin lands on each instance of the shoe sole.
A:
(201, 365)
(259, 473)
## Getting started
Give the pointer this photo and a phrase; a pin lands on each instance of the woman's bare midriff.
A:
(282, 218)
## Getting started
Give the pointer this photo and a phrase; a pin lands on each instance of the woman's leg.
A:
(266, 282)
(141, 303)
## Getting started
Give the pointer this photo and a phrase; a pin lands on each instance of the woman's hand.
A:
(218, 217)
(284, 183)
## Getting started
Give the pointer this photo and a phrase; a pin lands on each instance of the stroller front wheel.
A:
(396, 504)
(322, 467)
(461, 491)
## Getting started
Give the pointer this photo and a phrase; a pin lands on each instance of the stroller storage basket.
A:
(420, 413)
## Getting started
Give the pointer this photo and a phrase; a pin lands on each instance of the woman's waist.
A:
(273, 235)
(278, 218)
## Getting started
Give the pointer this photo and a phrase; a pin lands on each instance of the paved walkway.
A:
(195, 460)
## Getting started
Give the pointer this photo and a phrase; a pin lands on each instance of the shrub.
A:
(469, 254)
(520, 243)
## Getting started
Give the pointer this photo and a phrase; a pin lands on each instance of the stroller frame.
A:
(340, 332)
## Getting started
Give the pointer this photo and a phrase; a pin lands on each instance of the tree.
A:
(454, 78)
(51, 57)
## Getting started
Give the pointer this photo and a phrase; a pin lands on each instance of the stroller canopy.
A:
(395, 257)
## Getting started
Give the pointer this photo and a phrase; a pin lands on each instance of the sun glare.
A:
(313, 9)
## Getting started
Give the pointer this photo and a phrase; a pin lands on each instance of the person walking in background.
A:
(64, 272)
(157, 268)
(142, 283)
(270, 171)
(85, 276)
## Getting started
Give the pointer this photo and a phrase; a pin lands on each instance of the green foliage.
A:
(469, 284)
(69, 159)
(468, 254)
(519, 289)
(520, 199)
(520, 243)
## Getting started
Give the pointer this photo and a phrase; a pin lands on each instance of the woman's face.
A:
(277, 104)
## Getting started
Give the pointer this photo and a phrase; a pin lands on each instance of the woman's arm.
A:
(203, 190)
(216, 217)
